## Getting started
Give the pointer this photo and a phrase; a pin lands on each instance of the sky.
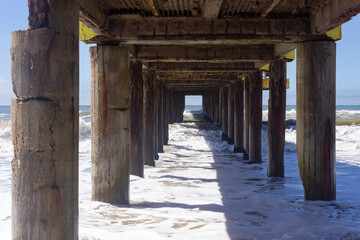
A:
(13, 17)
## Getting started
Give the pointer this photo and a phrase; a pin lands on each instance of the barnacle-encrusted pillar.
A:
(110, 123)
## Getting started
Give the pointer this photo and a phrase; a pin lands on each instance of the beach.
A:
(200, 189)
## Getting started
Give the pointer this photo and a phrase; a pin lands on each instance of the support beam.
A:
(276, 118)
(212, 8)
(190, 31)
(45, 123)
(315, 120)
(149, 118)
(333, 14)
(230, 130)
(224, 114)
(239, 117)
(200, 67)
(255, 122)
(110, 124)
(211, 54)
(136, 123)
(247, 116)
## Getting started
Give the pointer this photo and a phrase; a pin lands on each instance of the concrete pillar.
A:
(136, 123)
(110, 124)
(230, 131)
(149, 118)
(156, 119)
(315, 120)
(255, 123)
(224, 107)
(171, 107)
(276, 122)
(45, 123)
(247, 116)
(160, 119)
(239, 117)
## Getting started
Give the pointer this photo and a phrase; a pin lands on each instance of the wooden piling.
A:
(276, 118)
(247, 116)
(166, 116)
(230, 131)
(255, 122)
(220, 105)
(110, 123)
(149, 118)
(160, 119)
(239, 117)
(224, 108)
(315, 120)
(136, 124)
(45, 124)
(156, 119)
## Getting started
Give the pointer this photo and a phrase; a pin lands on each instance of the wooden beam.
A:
(333, 14)
(211, 54)
(270, 8)
(152, 6)
(199, 67)
(92, 16)
(211, 8)
(182, 31)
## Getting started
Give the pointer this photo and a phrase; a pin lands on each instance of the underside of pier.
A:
(149, 54)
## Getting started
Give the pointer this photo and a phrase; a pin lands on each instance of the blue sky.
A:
(13, 16)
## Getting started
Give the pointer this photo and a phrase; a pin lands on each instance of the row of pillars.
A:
(45, 128)
(237, 106)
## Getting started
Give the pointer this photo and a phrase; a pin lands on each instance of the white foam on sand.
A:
(199, 189)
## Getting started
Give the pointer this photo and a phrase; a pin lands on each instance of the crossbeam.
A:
(199, 67)
(211, 54)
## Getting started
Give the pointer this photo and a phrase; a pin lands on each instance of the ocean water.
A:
(191, 194)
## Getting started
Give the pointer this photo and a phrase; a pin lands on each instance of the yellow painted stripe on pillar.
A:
(85, 33)
(266, 83)
(335, 33)
(289, 55)
(265, 68)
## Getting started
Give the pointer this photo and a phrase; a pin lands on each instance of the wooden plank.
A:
(276, 119)
(315, 118)
(239, 53)
(211, 8)
(110, 123)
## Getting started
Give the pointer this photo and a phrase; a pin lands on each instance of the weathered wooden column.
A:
(136, 123)
(276, 119)
(216, 106)
(110, 123)
(230, 131)
(171, 107)
(166, 115)
(220, 105)
(315, 120)
(247, 116)
(156, 119)
(239, 117)
(224, 107)
(161, 119)
(45, 123)
(149, 118)
(255, 123)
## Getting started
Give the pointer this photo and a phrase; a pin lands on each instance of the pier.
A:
(149, 55)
